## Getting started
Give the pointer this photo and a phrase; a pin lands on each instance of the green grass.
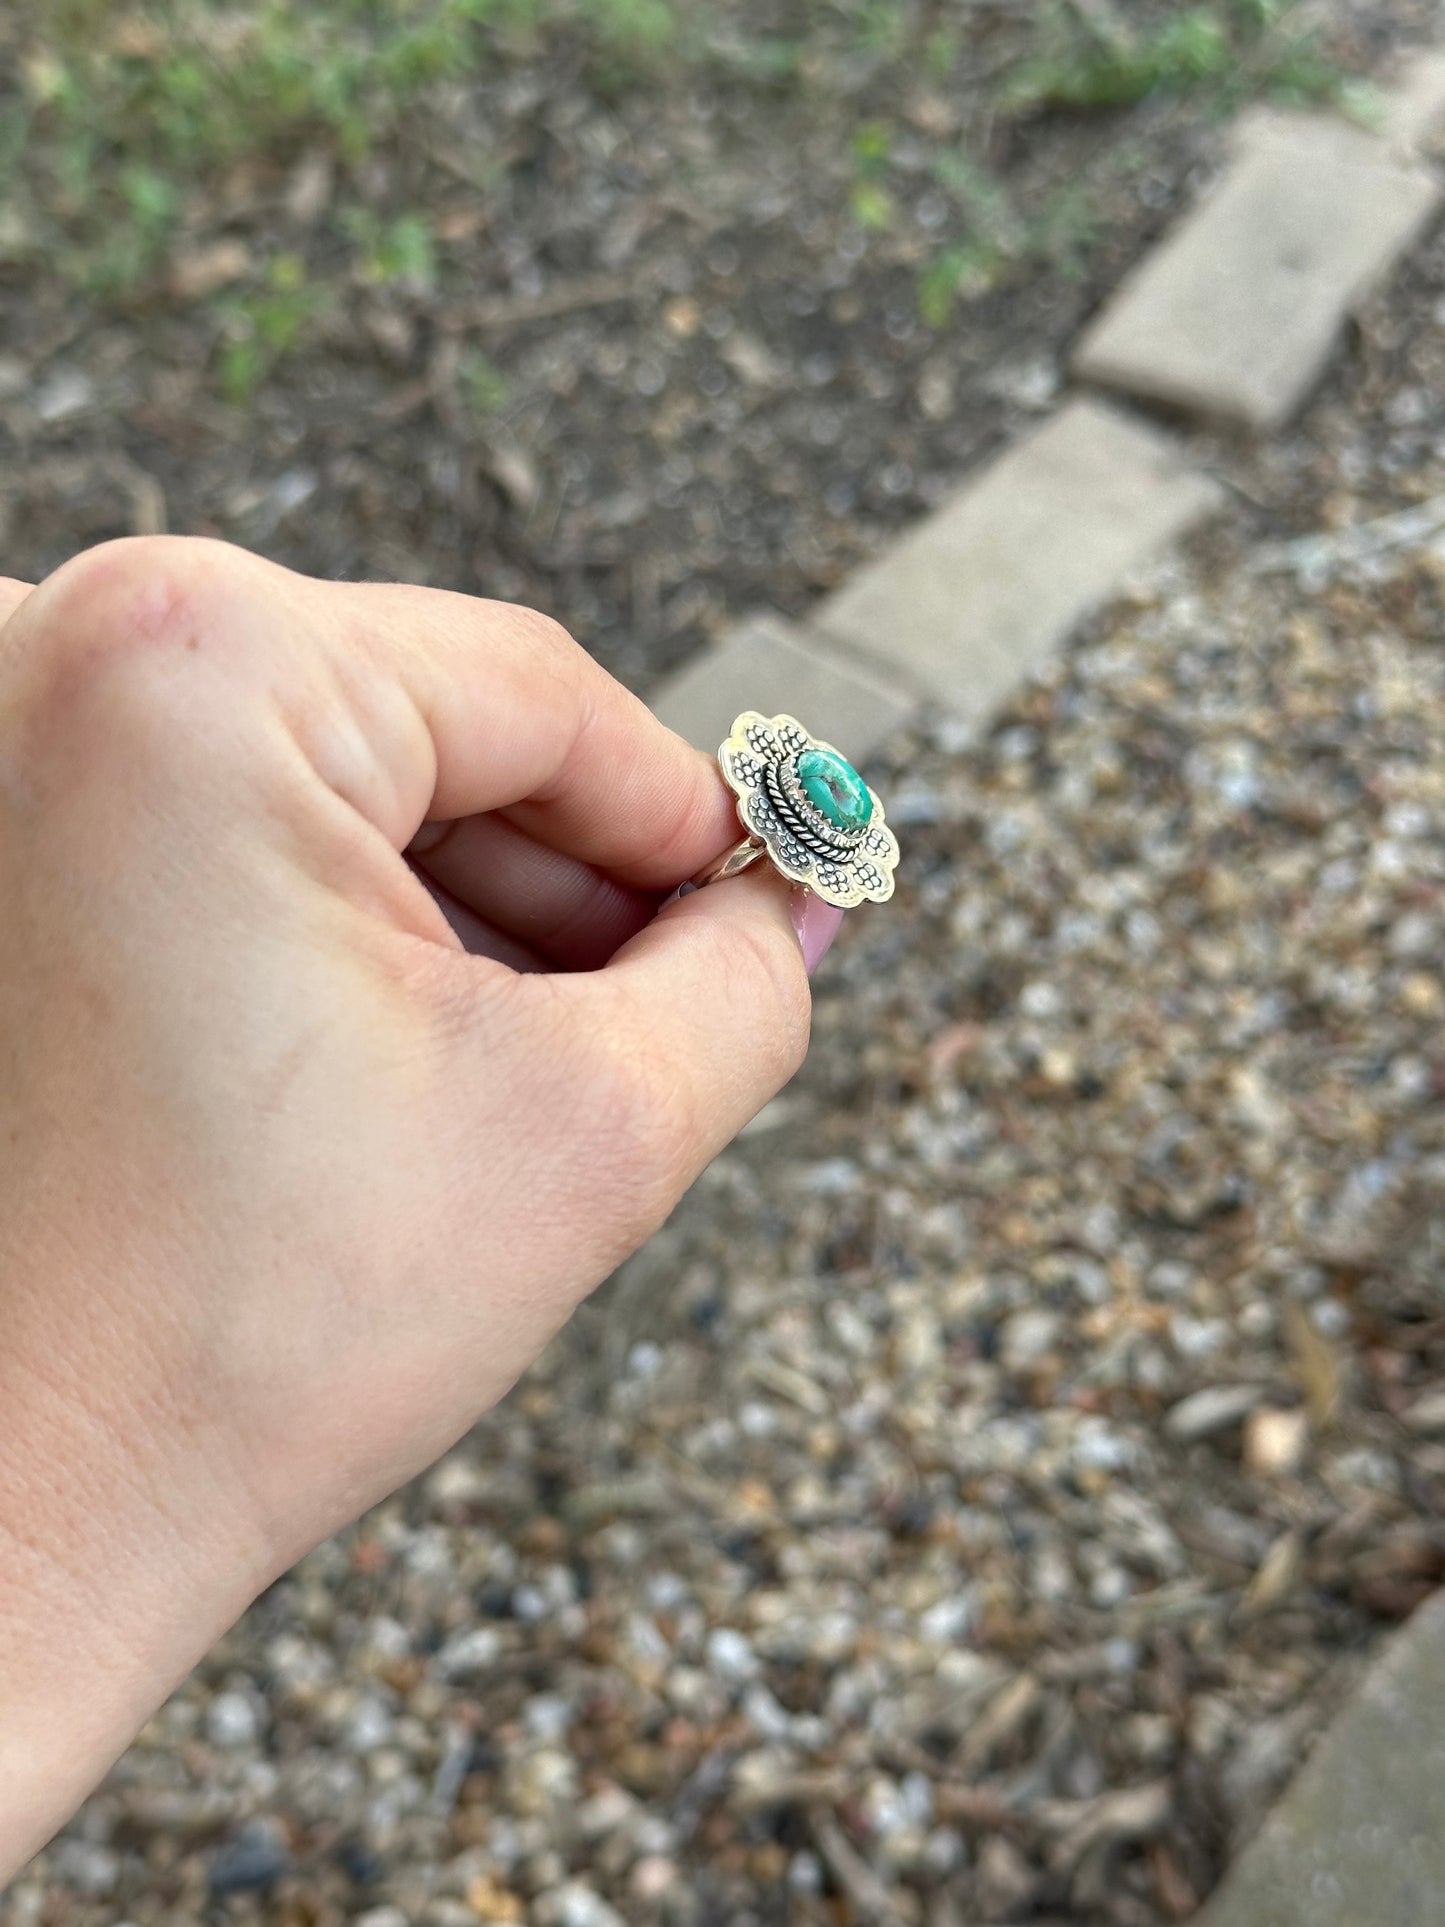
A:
(123, 127)
(1228, 51)
(193, 81)
(485, 388)
(121, 119)
(1000, 242)
(263, 323)
(872, 204)
(400, 250)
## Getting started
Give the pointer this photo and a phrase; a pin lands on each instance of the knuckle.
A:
(137, 590)
(112, 624)
(554, 657)
(542, 632)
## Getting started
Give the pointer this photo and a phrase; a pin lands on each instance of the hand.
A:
(342, 1054)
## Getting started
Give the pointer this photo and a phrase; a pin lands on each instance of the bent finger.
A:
(521, 718)
(409, 703)
(565, 910)
(475, 935)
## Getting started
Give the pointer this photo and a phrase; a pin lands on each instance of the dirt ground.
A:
(653, 350)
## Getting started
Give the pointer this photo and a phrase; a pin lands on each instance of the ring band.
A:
(805, 808)
(732, 863)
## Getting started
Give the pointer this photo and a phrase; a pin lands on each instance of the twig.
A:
(867, 1895)
(1321, 556)
(787, 1789)
(1125, 1814)
(979, 1810)
(509, 311)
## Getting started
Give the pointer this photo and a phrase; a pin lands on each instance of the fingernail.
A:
(816, 923)
(682, 890)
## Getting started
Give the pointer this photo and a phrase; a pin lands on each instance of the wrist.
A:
(120, 1564)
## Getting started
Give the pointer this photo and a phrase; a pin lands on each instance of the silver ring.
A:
(804, 807)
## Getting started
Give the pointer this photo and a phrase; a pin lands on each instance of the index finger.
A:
(523, 720)
(414, 703)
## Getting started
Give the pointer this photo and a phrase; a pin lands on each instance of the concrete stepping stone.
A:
(1305, 131)
(1236, 314)
(1414, 107)
(1359, 1836)
(774, 666)
(972, 600)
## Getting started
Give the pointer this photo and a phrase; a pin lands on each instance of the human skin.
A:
(341, 1054)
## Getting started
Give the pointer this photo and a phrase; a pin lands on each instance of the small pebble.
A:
(255, 1858)
(232, 1720)
(1214, 1409)
(1027, 1338)
(653, 1878)
(730, 1655)
(1275, 1442)
(63, 393)
(86, 1867)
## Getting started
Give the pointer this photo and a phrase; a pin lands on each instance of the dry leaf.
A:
(1276, 1577)
(1316, 1365)
(203, 271)
(682, 316)
(1005, 1713)
(1176, 1896)
(135, 38)
(490, 1902)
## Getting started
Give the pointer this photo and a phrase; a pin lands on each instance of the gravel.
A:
(974, 1501)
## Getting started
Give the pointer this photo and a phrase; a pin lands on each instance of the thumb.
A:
(709, 1007)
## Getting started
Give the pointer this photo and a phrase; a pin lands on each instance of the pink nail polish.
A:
(816, 923)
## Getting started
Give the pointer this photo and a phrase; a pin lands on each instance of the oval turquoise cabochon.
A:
(834, 787)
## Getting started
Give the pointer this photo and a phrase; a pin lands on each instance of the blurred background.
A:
(971, 1506)
(639, 310)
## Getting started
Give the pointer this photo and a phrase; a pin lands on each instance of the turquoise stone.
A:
(835, 788)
